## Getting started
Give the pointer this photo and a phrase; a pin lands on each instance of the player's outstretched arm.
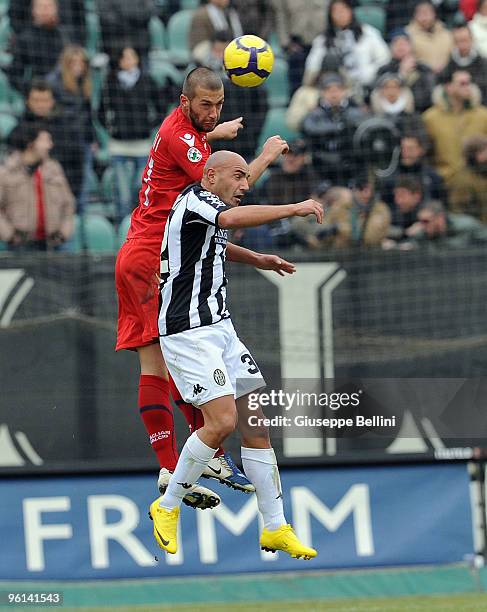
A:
(273, 147)
(228, 130)
(252, 216)
(262, 261)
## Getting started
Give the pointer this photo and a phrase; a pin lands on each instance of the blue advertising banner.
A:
(97, 527)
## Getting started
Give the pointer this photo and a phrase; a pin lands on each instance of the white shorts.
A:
(209, 362)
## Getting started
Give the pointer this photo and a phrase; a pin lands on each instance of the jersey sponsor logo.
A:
(212, 199)
(188, 139)
(219, 377)
(221, 237)
(195, 155)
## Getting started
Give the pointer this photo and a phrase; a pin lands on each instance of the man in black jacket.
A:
(329, 131)
(413, 163)
(38, 46)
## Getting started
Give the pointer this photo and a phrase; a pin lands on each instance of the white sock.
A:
(260, 466)
(192, 461)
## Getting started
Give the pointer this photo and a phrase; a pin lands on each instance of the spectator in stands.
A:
(294, 178)
(217, 17)
(359, 218)
(41, 109)
(413, 163)
(256, 16)
(125, 20)
(468, 189)
(408, 199)
(416, 75)
(455, 116)
(71, 16)
(464, 56)
(72, 87)
(441, 229)
(329, 131)
(298, 23)
(131, 107)
(239, 102)
(468, 8)
(478, 27)
(432, 42)
(38, 46)
(391, 99)
(357, 48)
(36, 204)
(400, 13)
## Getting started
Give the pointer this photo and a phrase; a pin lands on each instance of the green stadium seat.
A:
(107, 185)
(99, 234)
(190, 4)
(7, 124)
(277, 84)
(275, 123)
(373, 15)
(93, 33)
(157, 34)
(161, 69)
(123, 229)
(11, 101)
(177, 35)
(382, 3)
(3, 246)
(4, 6)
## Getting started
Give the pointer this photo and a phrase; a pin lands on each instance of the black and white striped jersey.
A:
(193, 283)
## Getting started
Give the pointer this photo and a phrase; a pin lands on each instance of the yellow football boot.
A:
(165, 526)
(286, 540)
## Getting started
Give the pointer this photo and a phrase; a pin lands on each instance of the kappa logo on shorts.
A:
(219, 377)
(197, 389)
(195, 155)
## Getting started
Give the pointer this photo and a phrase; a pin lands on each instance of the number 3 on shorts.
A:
(247, 359)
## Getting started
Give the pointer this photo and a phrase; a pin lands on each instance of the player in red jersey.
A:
(177, 158)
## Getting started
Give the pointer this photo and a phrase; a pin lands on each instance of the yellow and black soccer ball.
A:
(248, 60)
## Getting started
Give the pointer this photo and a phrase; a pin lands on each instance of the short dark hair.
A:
(25, 134)
(419, 136)
(39, 85)
(411, 183)
(201, 77)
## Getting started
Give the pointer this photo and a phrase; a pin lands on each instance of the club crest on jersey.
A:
(195, 155)
(188, 139)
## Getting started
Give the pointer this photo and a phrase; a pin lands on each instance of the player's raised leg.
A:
(260, 464)
(220, 418)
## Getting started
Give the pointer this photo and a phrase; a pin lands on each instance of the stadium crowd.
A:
(384, 105)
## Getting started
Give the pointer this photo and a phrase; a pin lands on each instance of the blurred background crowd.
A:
(384, 105)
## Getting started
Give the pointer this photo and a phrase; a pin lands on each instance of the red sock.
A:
(156, 412)
(193, 416)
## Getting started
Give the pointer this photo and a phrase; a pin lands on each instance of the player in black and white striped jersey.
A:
(210, 365)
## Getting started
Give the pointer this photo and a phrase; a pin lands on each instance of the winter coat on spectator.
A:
(364, 57)
(208, 20)
(329, 132)
(432, 185)
(131, 113)
(462, 231)
(304, 100)
(76, 107)
(478, 27)
(448, 129)
(421, 81)
(36, 52)
(256, 16)
(431, 48)
(18, 210)
(300, 19)
(125, 22)
(468, 193)
(358, 225)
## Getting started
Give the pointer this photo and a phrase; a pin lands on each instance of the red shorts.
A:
(137, 283)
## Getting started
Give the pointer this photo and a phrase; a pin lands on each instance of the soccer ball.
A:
(248, 60)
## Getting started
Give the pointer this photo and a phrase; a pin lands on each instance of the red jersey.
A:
(177, 158)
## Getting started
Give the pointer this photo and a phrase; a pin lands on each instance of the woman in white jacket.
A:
(478, 27)
(358, 49)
